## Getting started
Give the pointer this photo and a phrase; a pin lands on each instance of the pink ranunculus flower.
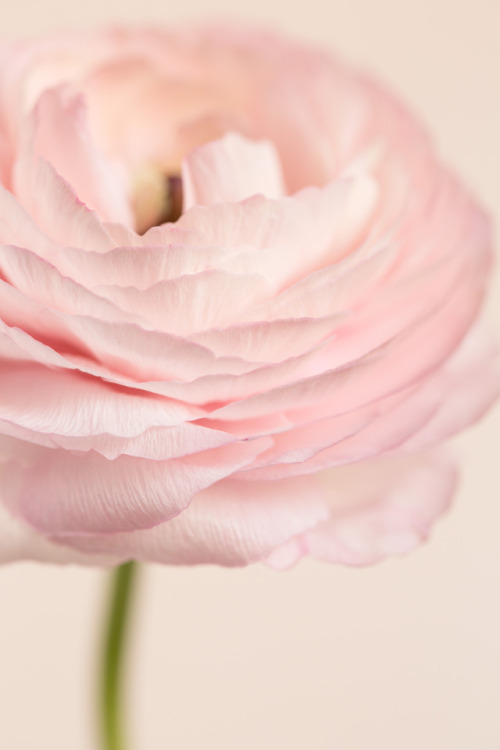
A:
(266, 374)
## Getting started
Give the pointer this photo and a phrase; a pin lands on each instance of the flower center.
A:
(156, 198)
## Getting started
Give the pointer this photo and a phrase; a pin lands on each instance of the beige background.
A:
(403, 656)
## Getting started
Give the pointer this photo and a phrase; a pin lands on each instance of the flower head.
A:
(238, 303)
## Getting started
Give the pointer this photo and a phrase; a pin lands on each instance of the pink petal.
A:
(192, 302)
(383, 371)
(471, 384)
(54, 205)
(5, 157)
(385, 509)
(173, 254)
(410, 420)
(18, 541)
(130, 351)
(40, 282)
(231, 169)
(335, 288)
(271, 236)
(60, 493)
(53, 405)
(273, 341)
(230, 523)
(18, 228)
(60, 135)
(17, 345)
(114, 421)
(138, 105)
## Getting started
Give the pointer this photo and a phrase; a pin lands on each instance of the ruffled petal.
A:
(127, 350)
(288, 238)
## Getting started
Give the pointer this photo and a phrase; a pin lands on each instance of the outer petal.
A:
(230, 523)
(410, 420)
(67, 403)
(70, 410)
(385, 509)
(471, 383)
(20, 542)
(59, 492)
(377, 374)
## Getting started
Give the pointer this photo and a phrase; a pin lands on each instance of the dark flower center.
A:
(157, 199)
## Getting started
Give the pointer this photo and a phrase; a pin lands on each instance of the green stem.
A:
(111, 687)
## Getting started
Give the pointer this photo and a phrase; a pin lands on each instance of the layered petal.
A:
(55, 206)
(60, 492)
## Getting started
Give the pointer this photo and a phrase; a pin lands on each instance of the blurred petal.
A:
(18, 228)
(20, 542)
(60, 136)
(471, 384)
(386, 509)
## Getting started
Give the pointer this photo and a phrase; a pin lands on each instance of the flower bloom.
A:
(238, 304)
